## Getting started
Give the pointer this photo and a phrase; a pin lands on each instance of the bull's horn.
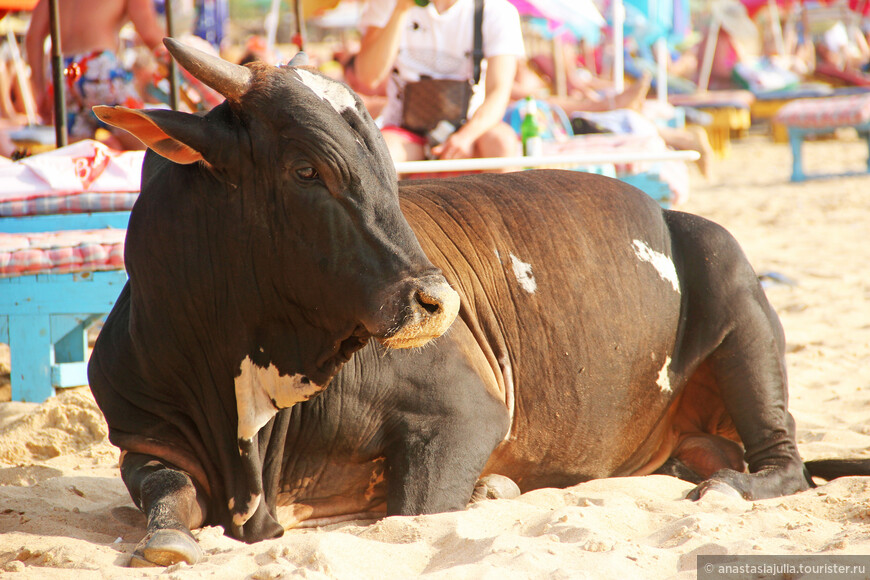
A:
(299, 59)
(230, 80)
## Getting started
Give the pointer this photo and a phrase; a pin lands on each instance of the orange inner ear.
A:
(140, 125)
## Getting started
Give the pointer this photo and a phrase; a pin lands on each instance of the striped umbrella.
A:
(580, 18)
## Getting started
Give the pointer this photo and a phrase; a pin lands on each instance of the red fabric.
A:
(10, 5)
(847, 111)
(60, 252)
(753, 7)
(409, 135)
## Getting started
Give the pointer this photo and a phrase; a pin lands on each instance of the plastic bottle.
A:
(530, 132)
(437, 136)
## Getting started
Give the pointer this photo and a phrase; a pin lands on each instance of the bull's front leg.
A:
(434, 460)
(170, 500)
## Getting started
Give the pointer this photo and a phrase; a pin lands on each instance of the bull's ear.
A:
(180, 137)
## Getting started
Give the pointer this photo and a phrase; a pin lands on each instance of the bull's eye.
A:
(307, 173)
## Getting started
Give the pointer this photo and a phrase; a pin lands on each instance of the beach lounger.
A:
(809, 117)
(729, 111)
(63, 219)
(643, 161)
(767, 105)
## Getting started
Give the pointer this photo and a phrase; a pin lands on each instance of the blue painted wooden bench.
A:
(45, 317)
(807, 117)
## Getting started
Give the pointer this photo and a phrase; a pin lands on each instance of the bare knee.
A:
(500, 141)
(402, 148)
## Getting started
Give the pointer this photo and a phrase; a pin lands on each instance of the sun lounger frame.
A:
(45, 317)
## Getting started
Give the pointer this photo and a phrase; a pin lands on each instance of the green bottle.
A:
(530, 132)
(421, 3)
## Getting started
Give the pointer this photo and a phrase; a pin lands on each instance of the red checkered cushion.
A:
(846, 111)
(83, 177)
(737, 99)
(59, 252)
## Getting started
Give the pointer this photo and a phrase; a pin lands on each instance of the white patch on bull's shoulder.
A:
(253, 503)
(663, 264)
(523, 273)
(333, 92)
(260, 392)
(664, 380)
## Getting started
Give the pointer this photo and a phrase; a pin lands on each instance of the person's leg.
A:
(404, 145)
(634, 95)
(500, 141)
(692, 138)
(101, 80)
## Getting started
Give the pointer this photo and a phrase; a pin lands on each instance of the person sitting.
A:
(89, 33)
(624, 112)
(403, 42)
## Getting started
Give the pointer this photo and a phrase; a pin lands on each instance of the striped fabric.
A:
(61, 252)
(69, 203)
(83, 177)
(847, 111)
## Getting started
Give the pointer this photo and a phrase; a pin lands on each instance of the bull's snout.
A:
(431, 307)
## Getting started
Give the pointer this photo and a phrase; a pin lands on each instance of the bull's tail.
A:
(829, 469)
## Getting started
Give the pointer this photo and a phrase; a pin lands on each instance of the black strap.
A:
(477, 51)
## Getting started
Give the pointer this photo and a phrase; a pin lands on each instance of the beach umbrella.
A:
(733, 17)
(7, 6)
(578, 18)
(653, 24)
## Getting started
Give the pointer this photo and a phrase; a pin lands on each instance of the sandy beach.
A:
(64, 512)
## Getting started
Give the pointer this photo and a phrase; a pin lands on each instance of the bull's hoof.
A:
(164, 548)
(494, 486)
(713, 485)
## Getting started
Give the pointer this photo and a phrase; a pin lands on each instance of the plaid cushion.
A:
(59, 252)
(825, 112)
(738, 99)
(83, 177)
(73, 203)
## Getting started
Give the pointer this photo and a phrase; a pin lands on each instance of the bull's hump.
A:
(336, 94)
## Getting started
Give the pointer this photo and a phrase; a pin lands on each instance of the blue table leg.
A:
(866, 134)
(796, 139)
(31, 356)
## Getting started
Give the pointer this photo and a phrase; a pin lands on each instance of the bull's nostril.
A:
(428, 303)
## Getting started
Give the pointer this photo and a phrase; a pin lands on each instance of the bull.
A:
(584, 331)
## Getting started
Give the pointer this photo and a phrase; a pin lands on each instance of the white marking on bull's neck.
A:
(260, 392)
(333, 92)
(664, 380)
(663, 264)
(523, 273)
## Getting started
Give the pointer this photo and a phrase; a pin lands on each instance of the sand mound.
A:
(68, 424)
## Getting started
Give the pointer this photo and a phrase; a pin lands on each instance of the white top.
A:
(439, 45)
